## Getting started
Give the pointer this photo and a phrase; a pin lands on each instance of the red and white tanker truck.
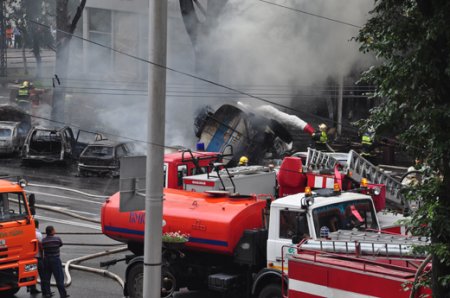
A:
(235, 242)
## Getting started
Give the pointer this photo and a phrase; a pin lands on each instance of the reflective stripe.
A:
(366, 140)
(322, 291)
(23, 92)
(323, 137)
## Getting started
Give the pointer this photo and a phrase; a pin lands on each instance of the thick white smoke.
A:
(255, 47)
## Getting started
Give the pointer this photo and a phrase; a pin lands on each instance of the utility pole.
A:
(3, 61)
(155, 148)
(340, 104)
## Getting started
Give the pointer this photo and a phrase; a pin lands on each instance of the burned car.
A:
(12, 137)
(51, 145)
(103, 158)
(14, 126)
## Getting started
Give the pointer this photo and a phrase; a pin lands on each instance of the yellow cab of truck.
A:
(18, 244)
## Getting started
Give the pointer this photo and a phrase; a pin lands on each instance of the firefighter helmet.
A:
(25, 84)
(243, 161)
(323, 127)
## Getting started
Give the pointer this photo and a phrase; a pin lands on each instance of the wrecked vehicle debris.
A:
(51, 145)
(12, 136)
(247, 132)
(103, 157)
(14, 126)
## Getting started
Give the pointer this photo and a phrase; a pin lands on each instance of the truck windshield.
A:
(349, 215)
(12, 206)
(5, 132)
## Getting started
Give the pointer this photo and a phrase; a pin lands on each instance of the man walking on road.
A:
(52, 263)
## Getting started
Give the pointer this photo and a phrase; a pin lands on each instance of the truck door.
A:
(287, 227)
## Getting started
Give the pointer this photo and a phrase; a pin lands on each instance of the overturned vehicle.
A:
(253, 132)
(51, 145)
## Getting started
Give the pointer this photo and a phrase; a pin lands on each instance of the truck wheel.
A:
(135, 281)
(9, 292)
(270, 291)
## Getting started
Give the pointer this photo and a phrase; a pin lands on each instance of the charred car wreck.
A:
(103, 158)
(14, 126)
(51, 145)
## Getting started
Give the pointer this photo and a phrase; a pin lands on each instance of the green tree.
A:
(411, 39)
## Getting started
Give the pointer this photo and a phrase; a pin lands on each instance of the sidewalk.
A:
(15, 63)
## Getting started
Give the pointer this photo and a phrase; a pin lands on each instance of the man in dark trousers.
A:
(52, 263)
(40, 261)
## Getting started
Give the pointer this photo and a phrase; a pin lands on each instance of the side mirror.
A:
(31, 200)
(33, 210)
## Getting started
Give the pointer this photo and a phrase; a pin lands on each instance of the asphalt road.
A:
(62, 201)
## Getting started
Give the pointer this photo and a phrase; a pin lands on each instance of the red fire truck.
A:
(363, 265)
(186, 163)
(235, 242)
(18, 244)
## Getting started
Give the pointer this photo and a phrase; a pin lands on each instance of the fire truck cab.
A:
(301, 216)
(185, 163)
(18, 244)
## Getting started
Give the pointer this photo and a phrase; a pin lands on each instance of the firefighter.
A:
(321, 138)
(243, 161)
(368, 144)
(23, 96)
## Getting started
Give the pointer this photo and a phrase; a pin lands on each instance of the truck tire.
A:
(135, 281)
(271, 291)
(9, 293)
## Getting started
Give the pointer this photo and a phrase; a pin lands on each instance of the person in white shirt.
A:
(32, 289)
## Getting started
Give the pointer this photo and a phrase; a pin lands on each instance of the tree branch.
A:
(77, 16)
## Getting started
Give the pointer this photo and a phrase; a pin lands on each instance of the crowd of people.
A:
(13, 37)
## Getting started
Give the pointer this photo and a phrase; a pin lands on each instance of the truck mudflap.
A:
(18, 274)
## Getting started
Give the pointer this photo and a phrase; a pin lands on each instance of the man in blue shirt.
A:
(52, 262)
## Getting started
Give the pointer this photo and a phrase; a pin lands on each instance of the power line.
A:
(311, 14)
(186, 74)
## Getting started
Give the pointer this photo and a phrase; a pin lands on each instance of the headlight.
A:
(376, 191)
(245, 245)
(30, 267)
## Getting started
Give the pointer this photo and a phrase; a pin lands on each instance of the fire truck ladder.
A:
(358, 167)
(361, 168)
(367, 243)
(318, 160)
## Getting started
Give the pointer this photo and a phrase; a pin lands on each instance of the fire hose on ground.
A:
(74, 262)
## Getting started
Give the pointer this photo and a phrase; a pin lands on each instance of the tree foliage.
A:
(411, 39)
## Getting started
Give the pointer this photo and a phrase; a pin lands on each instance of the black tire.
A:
(9, 293)
(135, 281)
(271, 291)
(168, 283)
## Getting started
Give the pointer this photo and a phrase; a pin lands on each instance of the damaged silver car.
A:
(103, 158)
(12, 136)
